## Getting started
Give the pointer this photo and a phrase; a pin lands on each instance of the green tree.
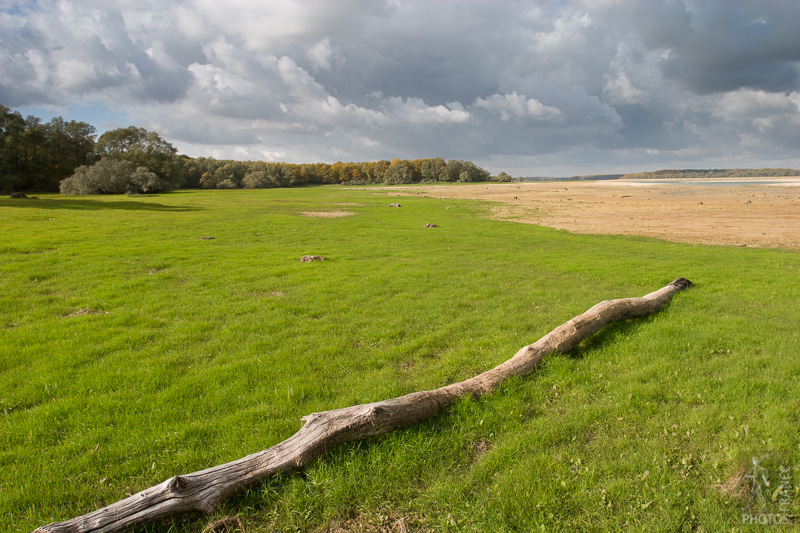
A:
(32, 154)
(258, 179)
(470, 172)
(142, 149)
(397, 173)
(36, 155)
(193, 169)
(452, 171)
(290, 176)
(433, 169)
(12, 129)
(81, 138)
(67, 146)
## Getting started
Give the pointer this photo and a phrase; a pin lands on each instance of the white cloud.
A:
(760, 118)
(619, 89)
(416, 111)
(517, 106)
(323, 55)
(749, 105)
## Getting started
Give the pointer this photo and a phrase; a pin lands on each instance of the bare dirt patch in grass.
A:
(229, 524)
(754, 214)
(327, 214)
(480, 447)
(378, 523)
(735, 486)
(85, 311)
(267, 294)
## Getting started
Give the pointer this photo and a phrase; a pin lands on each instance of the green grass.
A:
(131, 350)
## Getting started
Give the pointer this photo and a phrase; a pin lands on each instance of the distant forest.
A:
(682, 174)
(69, 156)
(714, 173)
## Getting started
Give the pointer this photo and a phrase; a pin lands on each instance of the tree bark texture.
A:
(202, 490)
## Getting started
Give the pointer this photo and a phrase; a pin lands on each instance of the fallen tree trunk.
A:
(202, 490)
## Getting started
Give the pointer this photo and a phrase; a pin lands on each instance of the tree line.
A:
(691, 173)
(36, 155)
(69, 156)
(209, 173)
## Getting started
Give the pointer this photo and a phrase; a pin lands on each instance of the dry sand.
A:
(753, 214)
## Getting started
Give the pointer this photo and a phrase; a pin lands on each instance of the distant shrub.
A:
(113, 176)
(145, 182)
(107, 176)
(72, 184)
(227, 184)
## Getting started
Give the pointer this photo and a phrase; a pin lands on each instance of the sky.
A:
(532, 88)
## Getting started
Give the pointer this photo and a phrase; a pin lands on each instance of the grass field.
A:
(132, 350)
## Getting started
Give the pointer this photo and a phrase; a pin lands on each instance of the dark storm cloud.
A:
(716, 46)
(365, 79)
(440, 53)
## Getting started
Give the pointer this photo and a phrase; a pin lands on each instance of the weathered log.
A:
(202, 490)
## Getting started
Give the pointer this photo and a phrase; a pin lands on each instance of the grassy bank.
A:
(132, 350)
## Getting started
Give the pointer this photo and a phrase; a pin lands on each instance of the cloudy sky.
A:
(530, 87)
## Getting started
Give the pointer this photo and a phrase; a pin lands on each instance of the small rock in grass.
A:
(394, 205)
(207, 238)
(310, 258)
(430, 226)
